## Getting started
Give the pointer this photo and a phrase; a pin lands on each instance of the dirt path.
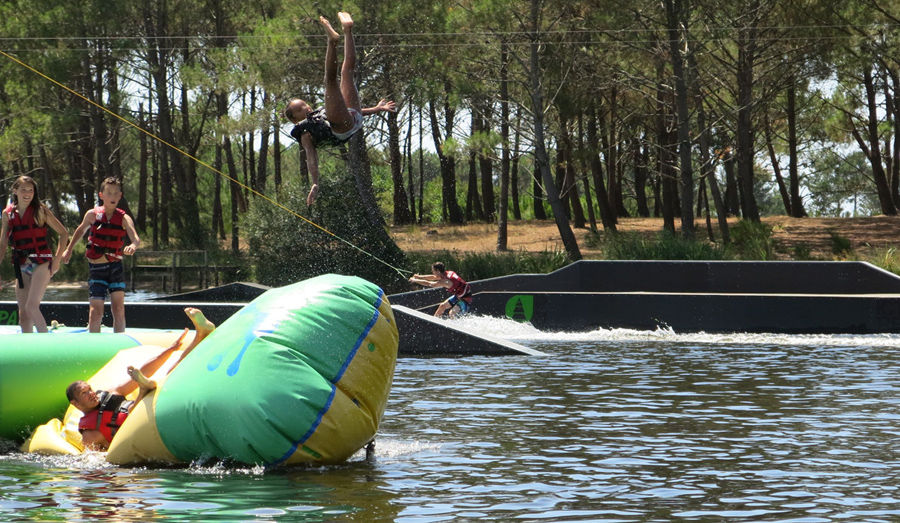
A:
(536, 236)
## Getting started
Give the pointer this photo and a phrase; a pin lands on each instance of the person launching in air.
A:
(342, 116)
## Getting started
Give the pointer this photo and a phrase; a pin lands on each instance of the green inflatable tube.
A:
(35, 370)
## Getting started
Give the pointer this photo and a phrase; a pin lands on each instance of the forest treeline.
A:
(576, 111)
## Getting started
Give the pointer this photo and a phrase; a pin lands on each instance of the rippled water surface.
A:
(608, 426)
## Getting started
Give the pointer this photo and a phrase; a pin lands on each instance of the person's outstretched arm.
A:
(425, 281)
(86, 223)
(132, 235)
(383, 106)
(62, 242)
(312, 162)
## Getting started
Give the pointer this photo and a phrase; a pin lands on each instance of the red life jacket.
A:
(25, 237)
(459, 288)
(108, 417)
(107, 236)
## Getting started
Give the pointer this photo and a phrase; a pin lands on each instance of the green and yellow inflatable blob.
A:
(300, 375)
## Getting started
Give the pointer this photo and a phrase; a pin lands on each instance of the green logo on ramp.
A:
(520, 308)
(9, 318)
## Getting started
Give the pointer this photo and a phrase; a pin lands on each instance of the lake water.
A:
(612, 426)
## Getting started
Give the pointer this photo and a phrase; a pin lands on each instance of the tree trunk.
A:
(154, 194)
(570, 187)
(448, 163)
(361, 170)
(276, 153)
(218, 215)
(421, 170)
(589, 203)
(474, 208)
(514, 171)
(677, 14)
(560, 182)
(732, 192)
(776, 168)
(542, 160)
(747, 44)
(235, 190)
(473, 202)
(537, 190)
(401, 203)
(707, 168)
(411, 189)
(894, 110)
(251, 147)
(486, 166)
(607, 212)
(143, 166)
(667, 158)
(873, 148)
(504, 151)
(262, 164)
(641, 159)
(797, 210)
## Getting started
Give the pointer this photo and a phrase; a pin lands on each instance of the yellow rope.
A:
(201, 162)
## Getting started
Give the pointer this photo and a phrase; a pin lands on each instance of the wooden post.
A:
(175, 284)
(133, 265)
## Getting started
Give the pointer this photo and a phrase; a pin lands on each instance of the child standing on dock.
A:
(461, 294)
(24, 231)
(106, 247)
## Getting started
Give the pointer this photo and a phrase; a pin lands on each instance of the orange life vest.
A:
(459, 288)
(108, 417)
(28, 241)
(107, 236)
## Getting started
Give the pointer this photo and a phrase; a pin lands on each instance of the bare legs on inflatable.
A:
(203, 327)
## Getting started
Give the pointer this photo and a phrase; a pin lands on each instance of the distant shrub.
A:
(663, 246)
(802, 252)
(886, 258)
(753, 240)
(482, 265)
(287, 249)
(840, 245)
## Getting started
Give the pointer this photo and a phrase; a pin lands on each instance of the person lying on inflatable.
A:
(105, 411)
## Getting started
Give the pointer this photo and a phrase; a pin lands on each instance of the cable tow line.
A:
(399, 271)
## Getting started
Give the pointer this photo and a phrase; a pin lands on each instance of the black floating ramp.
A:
(424, 335)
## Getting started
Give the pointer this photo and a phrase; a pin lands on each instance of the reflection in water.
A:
(609, 426)
(88, 489)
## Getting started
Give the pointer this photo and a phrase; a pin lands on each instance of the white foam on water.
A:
(512, 330)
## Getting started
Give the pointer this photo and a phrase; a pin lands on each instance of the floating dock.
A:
(685, 296)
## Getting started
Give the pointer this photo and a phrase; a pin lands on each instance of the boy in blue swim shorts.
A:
(108, 227)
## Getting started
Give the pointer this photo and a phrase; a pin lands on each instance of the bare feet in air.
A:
(332, 35)
(141, 380)
(313, 192)
(204, 326)
(346, 21)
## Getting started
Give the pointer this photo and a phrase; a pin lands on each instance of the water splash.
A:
(511, 330)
